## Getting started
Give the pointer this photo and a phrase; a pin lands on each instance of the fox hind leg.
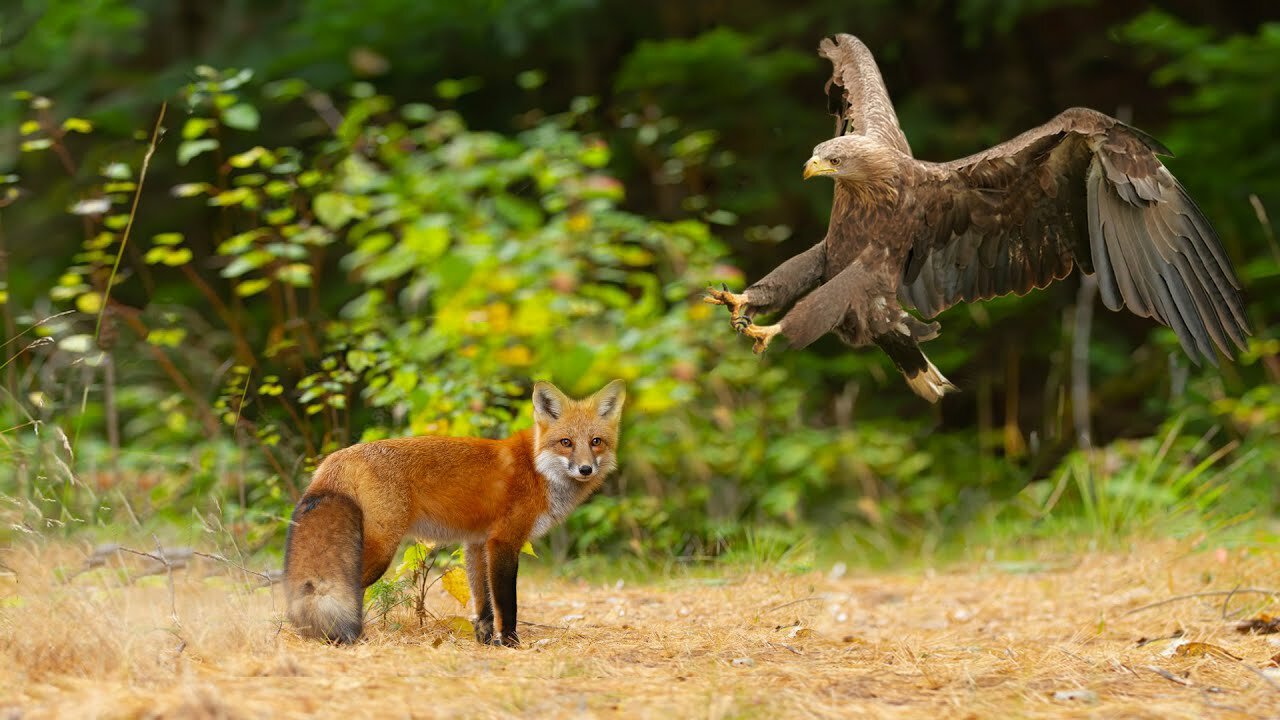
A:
(478, 579)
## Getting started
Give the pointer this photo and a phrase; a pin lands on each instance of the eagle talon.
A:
(762, 334)
(735, 302)
(741, 323)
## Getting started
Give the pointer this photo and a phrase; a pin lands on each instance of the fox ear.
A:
(548, 402)
(609, 399)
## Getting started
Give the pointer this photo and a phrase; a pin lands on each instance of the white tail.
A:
(326, 611)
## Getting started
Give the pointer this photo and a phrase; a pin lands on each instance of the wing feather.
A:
(1083, 189)
(865, 108)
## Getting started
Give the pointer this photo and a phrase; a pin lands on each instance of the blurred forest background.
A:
(387, 217)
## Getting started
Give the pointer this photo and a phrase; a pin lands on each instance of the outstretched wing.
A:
(1083, 189)
(863, 107)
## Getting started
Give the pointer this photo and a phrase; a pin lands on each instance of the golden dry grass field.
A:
(1069, 636)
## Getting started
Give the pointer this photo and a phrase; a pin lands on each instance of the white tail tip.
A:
(930, 384)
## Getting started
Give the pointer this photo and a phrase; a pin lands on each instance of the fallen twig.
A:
(1226, 602)
(1168, 675)
(1068, 653)
(789, 604)
(268, 580)
(540, 625)
(1211, 593)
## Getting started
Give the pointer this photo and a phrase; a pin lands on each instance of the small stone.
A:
(1088, 697)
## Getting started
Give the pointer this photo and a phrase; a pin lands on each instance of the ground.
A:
(1064, 636)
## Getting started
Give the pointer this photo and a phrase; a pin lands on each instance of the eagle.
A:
(1083, 190)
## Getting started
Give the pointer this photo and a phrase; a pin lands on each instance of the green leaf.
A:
(295, 274)
(521, 213)
(241, 116)
(335, 209)
(78, 125)
(117, 171)
(252, 287)
(531, 79)
(190, 149)
(195, 127)
(190, 189)
(78, 344)
(415, 556)
(251, 260)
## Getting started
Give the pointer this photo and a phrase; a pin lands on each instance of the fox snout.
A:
(581, 468)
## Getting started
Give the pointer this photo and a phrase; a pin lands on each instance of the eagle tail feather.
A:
(923, 377)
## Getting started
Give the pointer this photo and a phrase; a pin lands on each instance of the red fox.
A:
(491, 495)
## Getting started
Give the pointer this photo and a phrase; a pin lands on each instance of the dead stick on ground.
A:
(1214, 593)
(789, 604)
(159, 557)
(1226, 602)
(540, 625)
(267, 578)
(1168, 675)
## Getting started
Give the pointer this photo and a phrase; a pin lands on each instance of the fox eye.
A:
(566, 442)
(595, 442)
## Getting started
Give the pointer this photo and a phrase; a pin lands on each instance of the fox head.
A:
(577, 439)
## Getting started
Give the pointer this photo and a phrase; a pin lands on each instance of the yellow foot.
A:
(734, 301)
(762, 334)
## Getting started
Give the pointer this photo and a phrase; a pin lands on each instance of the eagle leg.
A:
(735, 302)
(762, 334)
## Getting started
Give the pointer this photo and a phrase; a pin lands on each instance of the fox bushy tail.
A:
(322, 561)
(921, 374)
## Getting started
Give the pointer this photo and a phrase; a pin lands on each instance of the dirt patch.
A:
(1062, 638)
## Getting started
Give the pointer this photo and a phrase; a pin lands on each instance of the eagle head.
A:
(855, 158)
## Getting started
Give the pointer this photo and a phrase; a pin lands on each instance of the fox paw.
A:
(509, 639)
(484, 631)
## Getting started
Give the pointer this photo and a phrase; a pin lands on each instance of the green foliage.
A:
(319, 259)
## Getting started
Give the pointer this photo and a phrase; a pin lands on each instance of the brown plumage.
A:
(1081, 190)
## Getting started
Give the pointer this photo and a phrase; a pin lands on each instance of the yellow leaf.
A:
(459, 626)
(1199, 649)
(527, 549)
(517, 355)
(89, 303)
(455, 583)
(74, 124)
(29, 127)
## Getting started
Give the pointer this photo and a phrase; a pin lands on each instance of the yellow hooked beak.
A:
(817, 166)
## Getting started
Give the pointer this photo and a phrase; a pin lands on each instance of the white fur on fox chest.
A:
(563, 492)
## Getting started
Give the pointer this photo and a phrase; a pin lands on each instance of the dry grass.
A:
(978, 641)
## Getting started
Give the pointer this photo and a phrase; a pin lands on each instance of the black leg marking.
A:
(504, 562)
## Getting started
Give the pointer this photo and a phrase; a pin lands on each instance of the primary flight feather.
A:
(1083, 190)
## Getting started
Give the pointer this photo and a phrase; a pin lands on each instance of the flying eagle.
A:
(1084, 189)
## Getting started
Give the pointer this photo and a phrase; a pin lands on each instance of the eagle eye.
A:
(835, 161)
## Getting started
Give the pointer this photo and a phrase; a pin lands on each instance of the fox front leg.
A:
(504, 563)
(478, 579)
